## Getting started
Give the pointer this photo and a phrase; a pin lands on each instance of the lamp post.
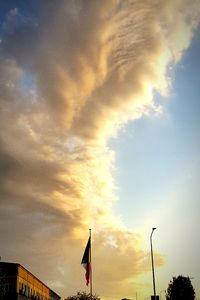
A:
(153, 274)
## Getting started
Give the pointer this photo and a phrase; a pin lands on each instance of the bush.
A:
(83, 296)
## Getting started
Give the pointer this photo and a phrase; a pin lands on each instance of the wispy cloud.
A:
(72, 73)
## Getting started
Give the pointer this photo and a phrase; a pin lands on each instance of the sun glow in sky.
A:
(99, 118)
(163, 157)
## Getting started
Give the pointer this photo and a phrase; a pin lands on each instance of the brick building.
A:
(17, 283)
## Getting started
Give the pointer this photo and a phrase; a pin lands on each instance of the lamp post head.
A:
(154, 228)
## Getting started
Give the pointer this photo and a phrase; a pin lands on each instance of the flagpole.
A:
(90, 234)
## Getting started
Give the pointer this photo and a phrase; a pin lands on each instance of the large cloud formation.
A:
(72, 73)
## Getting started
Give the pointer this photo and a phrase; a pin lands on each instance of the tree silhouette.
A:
(83, 296)
(180, 288)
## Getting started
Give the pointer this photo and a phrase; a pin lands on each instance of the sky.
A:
(99, 118)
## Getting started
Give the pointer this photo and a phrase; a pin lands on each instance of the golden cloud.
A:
(92, 67)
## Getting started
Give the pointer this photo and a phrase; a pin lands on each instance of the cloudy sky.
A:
(99, 118)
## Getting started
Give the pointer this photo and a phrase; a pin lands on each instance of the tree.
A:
(180, 288)
(83, 296)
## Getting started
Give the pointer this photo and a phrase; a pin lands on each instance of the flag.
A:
(86, 261)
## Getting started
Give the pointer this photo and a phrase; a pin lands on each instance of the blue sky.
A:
(158, 169)
(156, 151)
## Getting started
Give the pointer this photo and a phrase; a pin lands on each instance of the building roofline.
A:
(19, 265)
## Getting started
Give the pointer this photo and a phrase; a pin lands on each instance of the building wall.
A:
(8, 275)
(29, 286)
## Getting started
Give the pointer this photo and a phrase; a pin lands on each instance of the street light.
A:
(154, 285)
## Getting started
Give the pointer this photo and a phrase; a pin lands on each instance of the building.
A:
(17, 283)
